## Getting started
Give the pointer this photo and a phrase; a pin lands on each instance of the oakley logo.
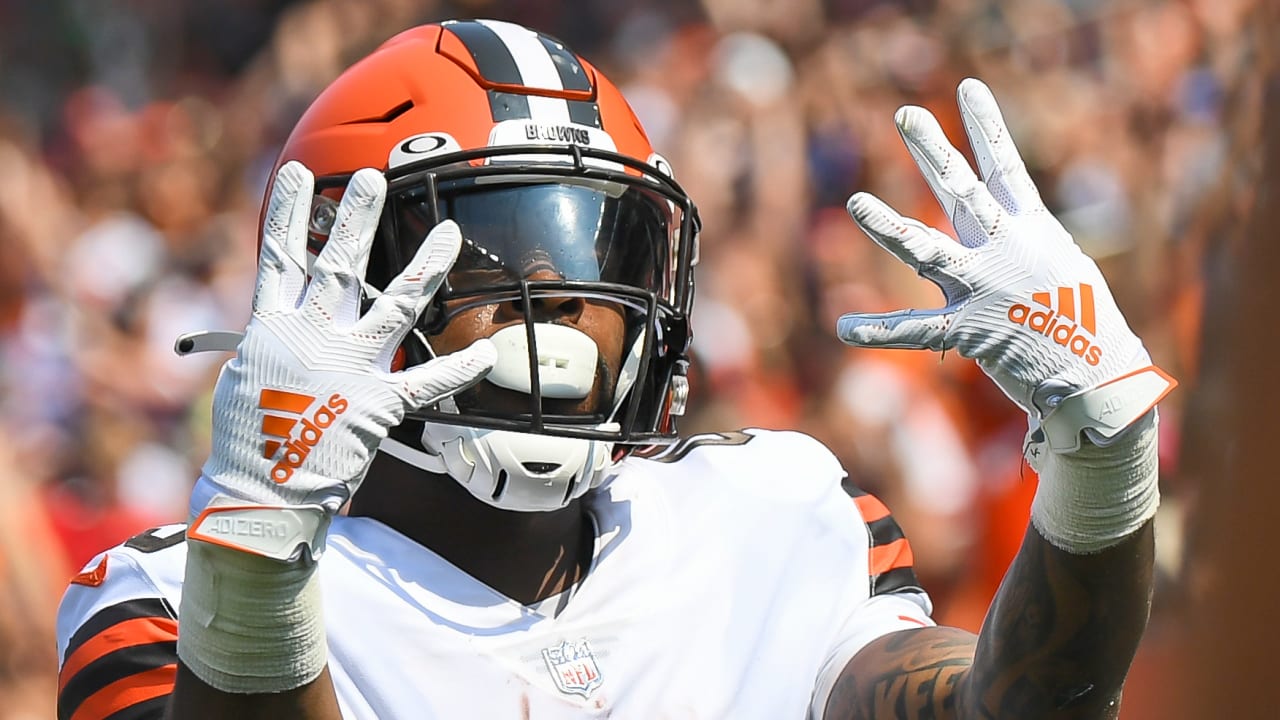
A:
(422, 144)
(418, 147)
(1062, 317)
(292, 448)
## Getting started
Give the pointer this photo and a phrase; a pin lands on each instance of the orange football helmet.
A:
(535, 154)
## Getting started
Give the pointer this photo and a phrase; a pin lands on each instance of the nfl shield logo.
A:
(573, 667)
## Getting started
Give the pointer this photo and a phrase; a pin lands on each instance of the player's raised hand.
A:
(300, 411)
(1020, 296)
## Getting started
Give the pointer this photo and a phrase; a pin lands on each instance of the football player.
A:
(471, 330)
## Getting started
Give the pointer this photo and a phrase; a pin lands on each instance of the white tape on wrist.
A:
(250, 624)
(251, 617)
(1093, 498)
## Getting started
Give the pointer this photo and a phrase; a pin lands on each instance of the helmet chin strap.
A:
(413, 456)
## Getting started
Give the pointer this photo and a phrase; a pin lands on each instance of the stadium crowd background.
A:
(136, 137)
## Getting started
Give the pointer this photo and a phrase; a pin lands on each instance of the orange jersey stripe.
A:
(894, 555)
(138, 631)
(871, 508)
(126, 692)
(295, 403)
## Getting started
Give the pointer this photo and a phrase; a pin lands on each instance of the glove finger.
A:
(338, 272)
(446, 375)
(911, 241)
(282, 259)
(394, 312)
(999, 163)
(423, 275)
(973, 211)
(910, 329)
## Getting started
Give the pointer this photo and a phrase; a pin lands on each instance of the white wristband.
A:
(250, 624)
(1093, 498)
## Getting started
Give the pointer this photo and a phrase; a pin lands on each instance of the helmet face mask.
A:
(564, 208)
(596, 233)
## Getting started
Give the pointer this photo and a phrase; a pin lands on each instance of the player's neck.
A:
(527, 556)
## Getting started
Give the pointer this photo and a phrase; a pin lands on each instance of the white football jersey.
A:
(732, 577)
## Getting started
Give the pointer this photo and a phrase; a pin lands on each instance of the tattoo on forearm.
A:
(923, 684)
(1057, 643)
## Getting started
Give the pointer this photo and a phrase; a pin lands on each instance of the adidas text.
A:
(1061, 330)
(295, 451)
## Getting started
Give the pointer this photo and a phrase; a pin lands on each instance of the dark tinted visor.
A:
(580, 230)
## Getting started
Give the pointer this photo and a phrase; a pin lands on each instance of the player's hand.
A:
(299, 412)
(1021, 298)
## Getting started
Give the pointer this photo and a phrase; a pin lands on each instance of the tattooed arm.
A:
(1057, 643)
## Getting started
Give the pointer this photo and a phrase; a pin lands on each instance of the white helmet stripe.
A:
(537, 70)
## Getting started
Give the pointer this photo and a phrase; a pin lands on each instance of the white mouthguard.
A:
(566, 361)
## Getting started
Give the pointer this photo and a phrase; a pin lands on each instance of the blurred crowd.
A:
(136, 138)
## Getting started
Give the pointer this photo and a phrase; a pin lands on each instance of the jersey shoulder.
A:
(774, 464)
(117, 628)
(792, 483)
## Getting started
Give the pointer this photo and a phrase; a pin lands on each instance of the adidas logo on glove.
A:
(296, 448)
(1071, 325)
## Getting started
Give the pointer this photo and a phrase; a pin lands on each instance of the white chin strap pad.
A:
(567, 360)
(510, 470)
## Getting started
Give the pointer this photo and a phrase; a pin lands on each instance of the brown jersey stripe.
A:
(105, 618)
(112, 669)
(152, 709)
(901, 579)
(124, 634)
(884, 531)
(125, 693)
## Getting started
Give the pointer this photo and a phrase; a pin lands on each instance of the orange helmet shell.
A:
(449, 78)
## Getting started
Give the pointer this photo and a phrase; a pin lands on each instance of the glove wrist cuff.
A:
(278, 532)
(1104, 410)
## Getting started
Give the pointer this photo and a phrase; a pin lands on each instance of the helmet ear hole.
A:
(568, 491)
(500, 486)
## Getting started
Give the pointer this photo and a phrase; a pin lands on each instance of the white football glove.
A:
(297, 417)
(300, 411)
(1021, 297)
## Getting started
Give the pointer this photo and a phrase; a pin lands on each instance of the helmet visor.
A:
(576, 229)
